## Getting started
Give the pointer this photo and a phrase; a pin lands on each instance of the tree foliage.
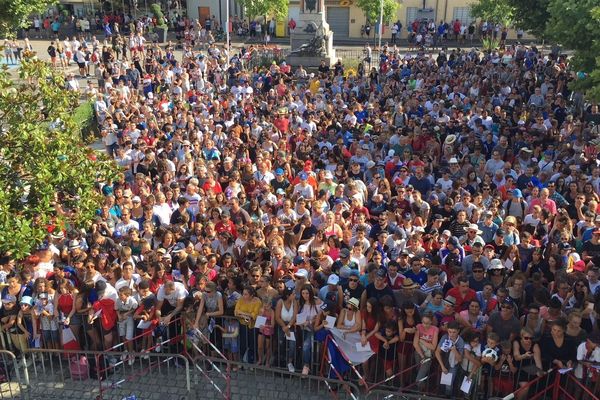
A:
(496, 11)
(270, 8)
(47, 174)
(531, 15)
(587, 51)
(14, 13)
(371, 9)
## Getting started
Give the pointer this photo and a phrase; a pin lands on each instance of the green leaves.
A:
(46, 173)
(371, 8)
(496, 11)
(14, 13)
(269, 8)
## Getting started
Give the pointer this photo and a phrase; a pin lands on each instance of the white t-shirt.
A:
(178, 294)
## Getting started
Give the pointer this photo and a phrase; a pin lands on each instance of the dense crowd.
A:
(442, 209)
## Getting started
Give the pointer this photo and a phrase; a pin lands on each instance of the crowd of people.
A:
(441, 210)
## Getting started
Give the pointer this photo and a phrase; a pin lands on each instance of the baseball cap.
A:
(9, 298)
(298, 260)
(279, 172)
(303, 176)
(381, 273)
(517, 193)
(333, 279)
(344, 253)
(301, 273)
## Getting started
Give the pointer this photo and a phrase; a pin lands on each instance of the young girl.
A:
(26, 329)
(504, 371)
(388, 346)
(146, 314)
(45, 312)
(266, 332)
(471, 362)
(125, 307)
(425, 342)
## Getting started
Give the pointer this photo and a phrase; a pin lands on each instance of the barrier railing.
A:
(12, 384)
(69, 373)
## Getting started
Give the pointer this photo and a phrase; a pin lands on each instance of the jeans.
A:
(307, 346)
(286, 348)
(449, 388)
(423, 369)
(247, 342)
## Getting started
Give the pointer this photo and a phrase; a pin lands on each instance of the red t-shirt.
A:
(462, 302)
(108, 316)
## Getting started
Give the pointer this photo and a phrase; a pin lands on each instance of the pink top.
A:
(425, 334)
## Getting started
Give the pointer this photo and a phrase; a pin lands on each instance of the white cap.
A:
(333, 279)
(302, 273)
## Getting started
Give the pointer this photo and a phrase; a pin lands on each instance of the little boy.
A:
(125, 306)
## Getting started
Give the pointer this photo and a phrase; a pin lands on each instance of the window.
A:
(463, 14)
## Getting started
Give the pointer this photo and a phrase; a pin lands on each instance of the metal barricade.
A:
(91, 375)
(12, 385)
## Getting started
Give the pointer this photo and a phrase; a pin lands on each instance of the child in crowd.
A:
(44, 310)
(425, 342)
(388, 346)
(126, 306)
(504, 371)
(147, 321)
(471, 363)
(265, 333)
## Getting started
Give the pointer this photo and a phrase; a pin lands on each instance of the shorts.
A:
(388, 364)
(126, 328)
(231, 344)
(140, 48)
(81, 65)
(50, 336)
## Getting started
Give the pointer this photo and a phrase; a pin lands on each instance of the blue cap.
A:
(298, 260)
(9, 298)
(279, 172)
(517, 193)
(303, 176)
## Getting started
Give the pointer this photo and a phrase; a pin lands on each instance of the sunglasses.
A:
(352, 280)
(527, 338)
(208, 291)
(478, 271)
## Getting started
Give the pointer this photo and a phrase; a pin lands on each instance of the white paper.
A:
(37, 343)
(466, 385)
(67, 336)
(260, 321)
(330, 321)
(291, 337)
(361, 348)
(301, 319)
(144, 324)
(446, 379)
(564, 370)
(96, 314)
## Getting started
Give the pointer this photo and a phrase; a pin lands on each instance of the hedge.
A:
(85, 118)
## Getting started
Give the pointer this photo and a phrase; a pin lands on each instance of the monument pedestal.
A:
(311, 41)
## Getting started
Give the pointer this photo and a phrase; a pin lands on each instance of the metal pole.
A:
(380, 22)
(227, 30)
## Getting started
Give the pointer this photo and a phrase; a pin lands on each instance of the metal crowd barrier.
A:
(72, 374)
(12, 385)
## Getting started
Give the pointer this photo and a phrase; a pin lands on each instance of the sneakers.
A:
(145, 356)
(291, 367)
(305, 370)
(131, 360)
(124, 356)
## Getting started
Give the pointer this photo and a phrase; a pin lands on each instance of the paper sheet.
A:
(96, 314)
(144, 324)
(564, 370)
(446, 379)
(466, 385)
(361, 348)
(291, 336)
(330, 321)
(260, 321)
(300, 319)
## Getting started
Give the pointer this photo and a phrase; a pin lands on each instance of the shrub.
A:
(158, 14)
(85, 118)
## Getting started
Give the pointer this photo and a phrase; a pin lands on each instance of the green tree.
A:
(371, 8)
(531, 15)
(496, 11)
(14, 13)
(47, 174)
(273, 8)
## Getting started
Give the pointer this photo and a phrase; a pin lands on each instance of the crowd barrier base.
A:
(60, 374)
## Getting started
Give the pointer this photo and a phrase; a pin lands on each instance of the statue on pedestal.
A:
(310, 6)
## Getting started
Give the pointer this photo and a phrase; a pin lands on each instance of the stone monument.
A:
(312, 40)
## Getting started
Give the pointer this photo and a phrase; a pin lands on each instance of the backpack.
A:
(522, 208)
(79, 368)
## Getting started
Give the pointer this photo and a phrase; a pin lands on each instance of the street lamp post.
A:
(227, 29)
(380, 22)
